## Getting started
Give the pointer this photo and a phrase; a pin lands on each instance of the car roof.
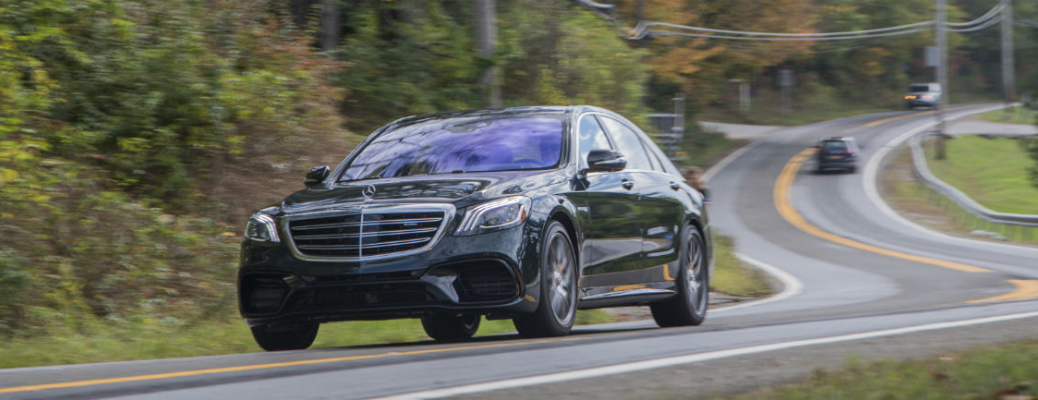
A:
(837, 138)
(483, 112)
(499, 111)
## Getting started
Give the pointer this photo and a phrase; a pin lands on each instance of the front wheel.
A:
(688, 307)
(558, 288)
(285, 337)
(451, 328)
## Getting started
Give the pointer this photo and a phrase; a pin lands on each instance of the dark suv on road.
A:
(837, 153)
(524, 213)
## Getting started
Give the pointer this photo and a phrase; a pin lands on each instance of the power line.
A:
(1025, 23)
(990, 14)
(978, 27)
(785, 39)
(746, 48)
(646, 25)
(642, 30)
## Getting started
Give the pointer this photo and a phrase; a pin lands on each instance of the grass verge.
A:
(767, 110)
(1014, 115)
(106, 341)
(916, 201)
(1001, 373)
(732, 276)
(992, 171)
(92, 341)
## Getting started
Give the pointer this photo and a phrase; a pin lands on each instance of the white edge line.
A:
(728, 160)
(692, 358)
(870, 177)
(791, 286)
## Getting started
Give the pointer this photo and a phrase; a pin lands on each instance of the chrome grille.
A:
(365, 233)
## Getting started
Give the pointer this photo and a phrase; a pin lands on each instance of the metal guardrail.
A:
(964, 201)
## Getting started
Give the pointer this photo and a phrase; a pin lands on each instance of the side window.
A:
(628, 144)
(590, 137)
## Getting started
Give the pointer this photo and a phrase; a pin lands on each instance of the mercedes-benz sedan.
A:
(521, 213)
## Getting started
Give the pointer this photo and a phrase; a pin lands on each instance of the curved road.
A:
(860, 281)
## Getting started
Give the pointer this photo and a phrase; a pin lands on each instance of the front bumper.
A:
(920, 103)
(494, 273)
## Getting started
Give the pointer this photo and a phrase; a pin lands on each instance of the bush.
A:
(156, 91)
(98, 252)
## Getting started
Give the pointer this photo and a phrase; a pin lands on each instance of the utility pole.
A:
(331, 24)
(1008, 70)
(942, 74)
(486, 38)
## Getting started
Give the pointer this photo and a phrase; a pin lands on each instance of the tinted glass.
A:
(919, 88)
(455, 145)
(590, 137)
(834, 145)
(628, 144)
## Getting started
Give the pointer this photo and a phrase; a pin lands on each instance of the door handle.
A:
(627, 184)
(675, 186)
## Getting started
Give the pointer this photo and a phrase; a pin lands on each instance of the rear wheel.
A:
(285, 337)
(558, 288)
(688, 307)
(451, 327)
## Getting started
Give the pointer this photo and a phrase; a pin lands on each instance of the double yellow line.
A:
(785, 208)
(241, 368)
(1025, 289)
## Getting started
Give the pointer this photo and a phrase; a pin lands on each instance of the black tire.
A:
(557, 307)
(451, 327)
(689, 306)
(852, 169)
(285, 337)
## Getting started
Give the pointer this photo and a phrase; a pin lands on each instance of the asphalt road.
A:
(860, 281)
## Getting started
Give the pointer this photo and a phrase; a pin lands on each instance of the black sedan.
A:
(524, 213)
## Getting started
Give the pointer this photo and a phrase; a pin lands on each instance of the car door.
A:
(612, 231)
(659, 210)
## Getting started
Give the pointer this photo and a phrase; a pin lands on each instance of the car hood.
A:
(461, 190)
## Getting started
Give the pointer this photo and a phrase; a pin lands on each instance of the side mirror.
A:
(316, 175)
(601, 160)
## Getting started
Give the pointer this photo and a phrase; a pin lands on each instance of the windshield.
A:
(465, 144)
(834, 145)
(919, 88)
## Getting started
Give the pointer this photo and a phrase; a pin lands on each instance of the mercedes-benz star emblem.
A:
(369, 192)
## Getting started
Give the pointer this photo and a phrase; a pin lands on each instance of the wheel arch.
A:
(564, 218)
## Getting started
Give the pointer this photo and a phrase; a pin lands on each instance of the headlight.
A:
(261, 228)
(927, 97)
(495, 215)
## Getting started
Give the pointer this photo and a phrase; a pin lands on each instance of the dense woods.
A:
(137, 135)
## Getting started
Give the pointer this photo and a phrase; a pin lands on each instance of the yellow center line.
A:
(1025, 289)
(179, 374)
(883, 121)
(785, 208)
(913, 114)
